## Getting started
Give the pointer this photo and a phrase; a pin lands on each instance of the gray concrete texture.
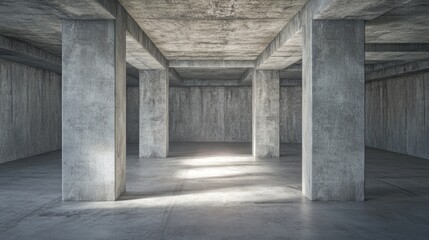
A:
(93, 109)
(210, 114)
(22, 52)
(265, 114)
(217, 114)
(212, 30)
(133, 113)
(198, 193)
(333, 110)
(30, 111)
(291, 114)
(399, 133)
(396, 113)
(153, 114)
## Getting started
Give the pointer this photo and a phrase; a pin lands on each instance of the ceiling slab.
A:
(405, 24)
(212, 29)
(38, 21)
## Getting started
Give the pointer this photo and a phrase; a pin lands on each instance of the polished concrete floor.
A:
(216, 191)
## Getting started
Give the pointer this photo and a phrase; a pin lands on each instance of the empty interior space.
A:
(214, 119)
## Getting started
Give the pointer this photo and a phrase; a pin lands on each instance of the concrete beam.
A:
(175, 78)
(285, 82)
(246, 79)
(397, 47)
(81, 9)
(208, 83)
(142, 53)
(211, 64)
(298, 67)
(397, 71)
(286, 48)
(21, 52)
(352, 9)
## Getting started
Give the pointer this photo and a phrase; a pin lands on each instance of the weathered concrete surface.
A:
(194, 117)
(397, 47)
(217, 30)
(210, 114)
(18, 51)
(333, 110)
(290, 114)
(133, 115)
(398, 70)
(396, 111)
(212, 197)
(142, 53)
(211, 73)
(208, 83)
(405, 24)
(30, 111)
(212, 64)
(153, 113)
(265, 114)
(246, 77)
(38, 21)
(286, 48)
(174, 77)
(94, 109)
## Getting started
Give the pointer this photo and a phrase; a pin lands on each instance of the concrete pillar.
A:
(153, 113)
(265, 114)
(93, 97)
(333, 110)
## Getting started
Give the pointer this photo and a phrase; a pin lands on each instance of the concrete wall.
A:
(397, 115)
(290, 114)
(210, 114)
(217, 114)
(132, 114)
(30, 111)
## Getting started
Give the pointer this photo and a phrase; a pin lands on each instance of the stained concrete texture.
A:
(396, 114)
(22, 52)
(93, 109)
(30, 111)
(333, 110)
(153, 114)
(291, 114)
(210, 114)
(217, 114)
(133, 115)
(265, 113)
(212, 29)
(216, 191)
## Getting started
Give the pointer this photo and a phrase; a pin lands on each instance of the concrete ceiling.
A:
(406, 24)
(31, 21)
(212, 29)
(38, 21)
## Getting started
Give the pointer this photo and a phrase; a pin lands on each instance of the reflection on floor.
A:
(216, 191)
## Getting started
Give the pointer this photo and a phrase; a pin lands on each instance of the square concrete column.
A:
(153, 113)
(333, 110)
(93, 98)
(265, 114)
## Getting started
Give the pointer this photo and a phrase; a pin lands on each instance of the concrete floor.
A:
(216, 191)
